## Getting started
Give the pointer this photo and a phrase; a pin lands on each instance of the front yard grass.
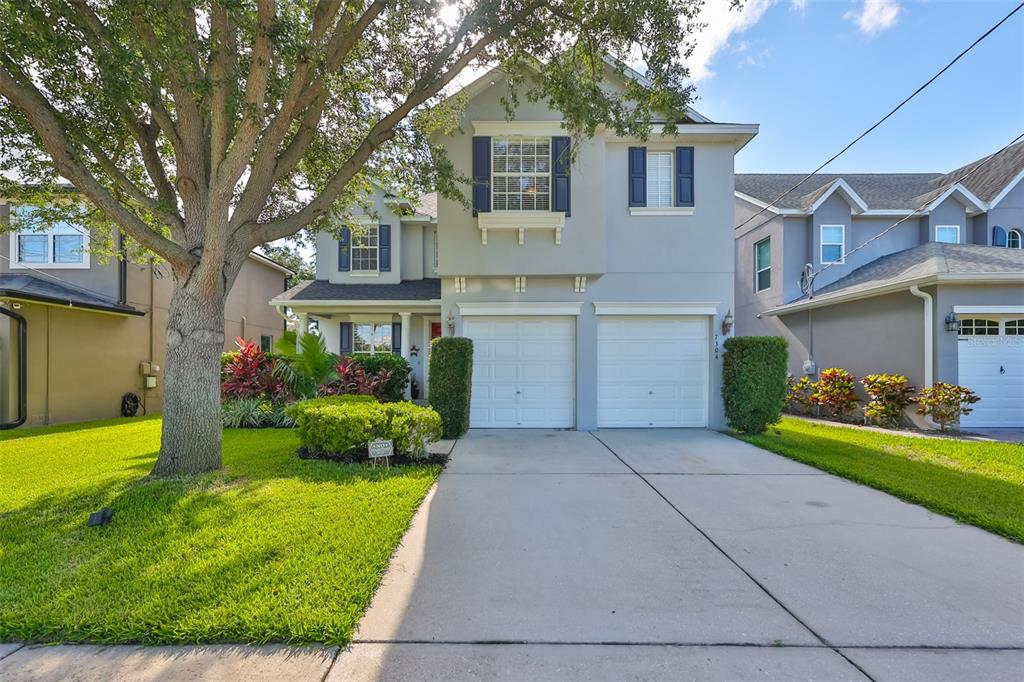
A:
(270, 549)
(977, 482)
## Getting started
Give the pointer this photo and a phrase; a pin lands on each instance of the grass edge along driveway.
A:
(976, 482)
(270, 549)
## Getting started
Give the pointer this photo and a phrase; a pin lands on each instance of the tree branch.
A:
(46, 122)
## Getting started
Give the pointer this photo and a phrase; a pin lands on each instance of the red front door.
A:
(435, 330)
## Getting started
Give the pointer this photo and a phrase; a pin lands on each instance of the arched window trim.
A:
(1014, 235)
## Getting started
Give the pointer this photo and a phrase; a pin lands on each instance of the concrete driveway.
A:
(671, 554)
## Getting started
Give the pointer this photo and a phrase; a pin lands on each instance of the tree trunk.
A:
(191, 438)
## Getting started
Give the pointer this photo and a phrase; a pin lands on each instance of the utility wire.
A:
(882, 120)
(915, 212)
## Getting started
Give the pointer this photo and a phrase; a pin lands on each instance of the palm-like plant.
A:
(307, 369)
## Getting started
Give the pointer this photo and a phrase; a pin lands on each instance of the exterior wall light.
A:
(451, 324)
(727, 323)
(414, 351)
(952, 323)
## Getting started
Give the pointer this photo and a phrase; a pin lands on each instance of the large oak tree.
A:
(204, 128)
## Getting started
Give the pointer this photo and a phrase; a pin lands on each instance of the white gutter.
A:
(929, 334)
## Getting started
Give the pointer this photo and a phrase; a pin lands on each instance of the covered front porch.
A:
(358, 319)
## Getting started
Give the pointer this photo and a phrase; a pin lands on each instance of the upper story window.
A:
(976, 326)
(763, 265)
(947, 234)
(1015, 239)
(521, 173)
(365, 248)
(62, 245)
(833, 244)
(659, 179)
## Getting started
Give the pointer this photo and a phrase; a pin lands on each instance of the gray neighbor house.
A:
(938, 298)
(597, 287)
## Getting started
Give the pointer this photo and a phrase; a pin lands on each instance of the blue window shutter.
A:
(346, 339)
(560, 185)
(344, 249)
(998, 236)
(684, 176)
(638, 176)
(396, 337)
(481, 174)
(384, 244)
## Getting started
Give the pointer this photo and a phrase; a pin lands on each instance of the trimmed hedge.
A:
(451, 374)
(337, 425)
(399, 367)
(754, 391)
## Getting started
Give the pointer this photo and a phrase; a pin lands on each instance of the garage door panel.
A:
(993, 367)
(525, 376)
(652, 372)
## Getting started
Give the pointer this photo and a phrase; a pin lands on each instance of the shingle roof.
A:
(919, 263)
(427, 204)
(999, 170)
(878, 190)
(32, 288)
(406, 290)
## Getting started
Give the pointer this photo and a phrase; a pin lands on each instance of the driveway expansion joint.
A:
(735, 563)
(13, 651)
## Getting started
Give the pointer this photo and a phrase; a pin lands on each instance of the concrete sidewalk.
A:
(647, 554)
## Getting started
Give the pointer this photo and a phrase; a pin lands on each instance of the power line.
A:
(882, 120)
(913, 213)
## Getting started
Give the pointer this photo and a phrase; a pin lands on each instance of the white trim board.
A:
(992, 309)
(655, 308)
(517, 309)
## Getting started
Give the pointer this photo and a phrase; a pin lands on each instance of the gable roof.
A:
(427, 205)
(933, 261)
(1000, 170)
(877, 190)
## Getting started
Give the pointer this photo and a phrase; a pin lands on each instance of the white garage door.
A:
(522, 371)
(652, 371)
(993, 367)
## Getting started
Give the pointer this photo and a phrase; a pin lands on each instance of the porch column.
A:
(406, 343)
(301, 329)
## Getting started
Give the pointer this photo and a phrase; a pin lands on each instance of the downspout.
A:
(929, 335)
(22, 369)
(122, 271)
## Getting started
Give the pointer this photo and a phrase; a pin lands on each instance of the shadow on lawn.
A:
(972, 497)
(183, 553)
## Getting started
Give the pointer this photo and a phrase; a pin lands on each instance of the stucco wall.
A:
(326, 245)
(946, 354)
(1008, 214)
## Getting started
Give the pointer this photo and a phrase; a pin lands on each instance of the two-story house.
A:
(937, 297)
(78, 332)
(596, 284)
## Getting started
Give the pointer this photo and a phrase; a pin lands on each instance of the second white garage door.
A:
(652, 371)
(993, 367)
(522, 371)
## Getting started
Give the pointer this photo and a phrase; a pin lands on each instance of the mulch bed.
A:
(360, 457)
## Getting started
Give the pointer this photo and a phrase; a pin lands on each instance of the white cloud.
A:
(875, 16)
(722, 23)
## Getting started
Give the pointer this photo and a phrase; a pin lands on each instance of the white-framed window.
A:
(947, 234)
(1014, 327)
(371, 337)
(763, 265)
(521, 173)
(833, 243)
(436, 248)
(1015, 239)
(62, 245)
(659, 179)
(365, 248)
(977, 326)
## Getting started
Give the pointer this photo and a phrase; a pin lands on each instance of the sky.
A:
(816, 73)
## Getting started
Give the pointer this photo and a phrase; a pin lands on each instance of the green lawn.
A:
(271, 548)
(980, 483)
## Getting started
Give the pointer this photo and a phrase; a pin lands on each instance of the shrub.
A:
(253, 413)
(946, 403)
(451, 375)
(353, 379)
(889, 394)
(249, 373)
(753, 381)
(305, 371)
(397, 367)
(799, 393)
(339, 425)
(835, 391)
